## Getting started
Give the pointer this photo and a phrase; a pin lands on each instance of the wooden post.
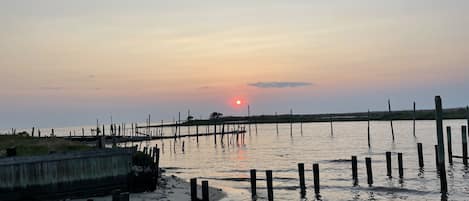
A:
(301, 174)
(441, 145)
(249, 118)
(414, 117)
(332, 128)
(390, 114)
(400, 165)
(369, 171)
(157, 164)
(270, 191)
(205, 194)
(32, 132)
(276, 122)
(83, 131)
(464, 145)
(420, 154)
(369, 141)
(450, 146)
(194, 189)
(253, 183)
(196, 132)
(316, 178)
(388, 164)
(354, 170)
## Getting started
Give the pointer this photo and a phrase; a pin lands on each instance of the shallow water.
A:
(227, 165)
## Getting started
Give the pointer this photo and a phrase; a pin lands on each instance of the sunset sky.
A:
(65, 63)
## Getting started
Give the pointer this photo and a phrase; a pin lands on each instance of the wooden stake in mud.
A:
(420, 154)
(441, 145)
(354, 170)
(464, 145)
(316, 178)
(400, 165)
(390, 116)
(450, 146)
(253, 183)
(301, 174)
(369, 171)
(194, 189)
(388, 164)
(270, 190)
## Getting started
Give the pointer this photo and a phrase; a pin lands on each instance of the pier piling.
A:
(194, 189)
(464, 145)
(354, 170)
(400, 165)
(301, 174)
(450, 146)
(316, 178)
(369, 171)
(388, 164)
(270, 190)
(441, 146)
(205, 194)
(253, 183)
(420, 154)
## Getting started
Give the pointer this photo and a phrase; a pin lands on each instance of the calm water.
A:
(227, 165)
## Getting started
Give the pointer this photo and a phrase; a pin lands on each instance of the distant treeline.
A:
(452, 113)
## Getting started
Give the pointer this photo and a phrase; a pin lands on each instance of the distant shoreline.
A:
(427, 114)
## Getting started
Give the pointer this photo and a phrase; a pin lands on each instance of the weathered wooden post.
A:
(32, 132)
(316, 178)
(354, 170)
(400, 165)
(205, 194)
(249, 118)
(194, 189)
(270, 190)
(196, 132)
(301, 174)
(332, 127)
(253, 183)
(369, 171)
(39, 132)
(157, 164)
(450, 146)
(464, 145)
(390, 116)
(420, 154)
(441, 145)
(388, 164)
(83, 131)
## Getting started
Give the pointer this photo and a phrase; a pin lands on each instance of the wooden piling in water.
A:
(205, 194)
(450, 146)
(441, 146)
(388, 164)
(301, 174)
(400, 165)
(354, 170)
(276, 122)
(270, 190)
(32, 132)
(390, 114)
(194, 190)
(253, 183)
(369, 171)
(420, 154)
(316, 178)
(464, 145)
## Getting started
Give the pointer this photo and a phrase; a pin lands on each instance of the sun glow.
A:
(238, 102)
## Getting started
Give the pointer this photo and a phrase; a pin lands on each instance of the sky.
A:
(68, 63)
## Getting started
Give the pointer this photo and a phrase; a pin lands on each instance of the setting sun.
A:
(238, 102)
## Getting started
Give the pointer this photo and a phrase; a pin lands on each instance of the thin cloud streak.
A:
(280, 84)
